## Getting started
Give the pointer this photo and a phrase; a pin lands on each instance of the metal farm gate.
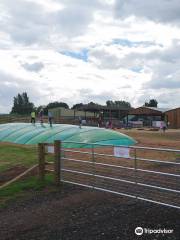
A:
(142, 173)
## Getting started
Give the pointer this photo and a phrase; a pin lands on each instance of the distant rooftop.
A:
(159, 109)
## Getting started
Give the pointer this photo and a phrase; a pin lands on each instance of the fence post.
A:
(135, 169)
(41, 157)
(93, 166)
(57, 161)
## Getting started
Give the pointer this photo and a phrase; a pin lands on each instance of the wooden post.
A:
(57, 161)
(41, 156)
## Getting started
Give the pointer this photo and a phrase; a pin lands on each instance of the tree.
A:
(92, 104)
(22, 105)
(109, 103)
(122, 104)
(52, 105)
(57, 104)
(38, 109)
(77, 105)
(151, 103)
(119, 104)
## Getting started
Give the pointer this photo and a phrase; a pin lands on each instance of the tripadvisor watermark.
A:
(140, 231)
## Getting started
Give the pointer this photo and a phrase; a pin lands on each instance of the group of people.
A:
(41, 117)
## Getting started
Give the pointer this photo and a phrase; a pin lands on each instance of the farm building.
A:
(146, 116)
(60, 114)
(108, 112)
(90, 113)
(173, 117)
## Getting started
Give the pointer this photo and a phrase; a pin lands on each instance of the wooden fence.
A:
(17, 118)
(44, 165)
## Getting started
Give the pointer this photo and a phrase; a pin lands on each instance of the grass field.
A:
(24, 188)
(15, 159)
(12, 155)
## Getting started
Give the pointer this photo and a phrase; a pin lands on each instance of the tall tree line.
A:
(22, 105)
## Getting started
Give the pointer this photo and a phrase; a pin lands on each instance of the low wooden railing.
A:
(42, 153)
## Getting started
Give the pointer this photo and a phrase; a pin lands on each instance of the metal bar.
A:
(97, 175)
(75, 151)
(98, 163)
(130, 158)
(156, 187)
(98, 188)
(129, 168)
(121, 180)
(157, 161)
(135, 170)
(123, 194)
(93, 164)
(161, 173)
(57, 161)
(157, 149)
(137, 147)
(98, 154)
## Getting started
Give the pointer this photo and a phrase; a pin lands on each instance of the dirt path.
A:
(171, 138)
(78, 214)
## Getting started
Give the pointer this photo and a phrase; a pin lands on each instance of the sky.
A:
(80, 51)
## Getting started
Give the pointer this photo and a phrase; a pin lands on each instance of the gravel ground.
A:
(79, 214)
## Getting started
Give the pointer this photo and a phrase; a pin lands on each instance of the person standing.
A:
(110, 124)
(80, 122)
(41, 116)
(50, 117)
(33, 117)
(164, 127)
(99, 122)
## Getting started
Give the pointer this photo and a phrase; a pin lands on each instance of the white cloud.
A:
(11, 86)
(34, 67)
(161, 11)
(85, 50)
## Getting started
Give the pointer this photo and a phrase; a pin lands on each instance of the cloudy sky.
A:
(90, 50)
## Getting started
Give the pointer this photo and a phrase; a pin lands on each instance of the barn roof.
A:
(147, 111)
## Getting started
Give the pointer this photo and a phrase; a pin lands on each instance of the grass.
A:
(22, 155)
(24, 187)
(13, 155)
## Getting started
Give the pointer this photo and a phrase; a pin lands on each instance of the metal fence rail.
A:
(138, 175)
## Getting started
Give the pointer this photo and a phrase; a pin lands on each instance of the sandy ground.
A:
(170, 139)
